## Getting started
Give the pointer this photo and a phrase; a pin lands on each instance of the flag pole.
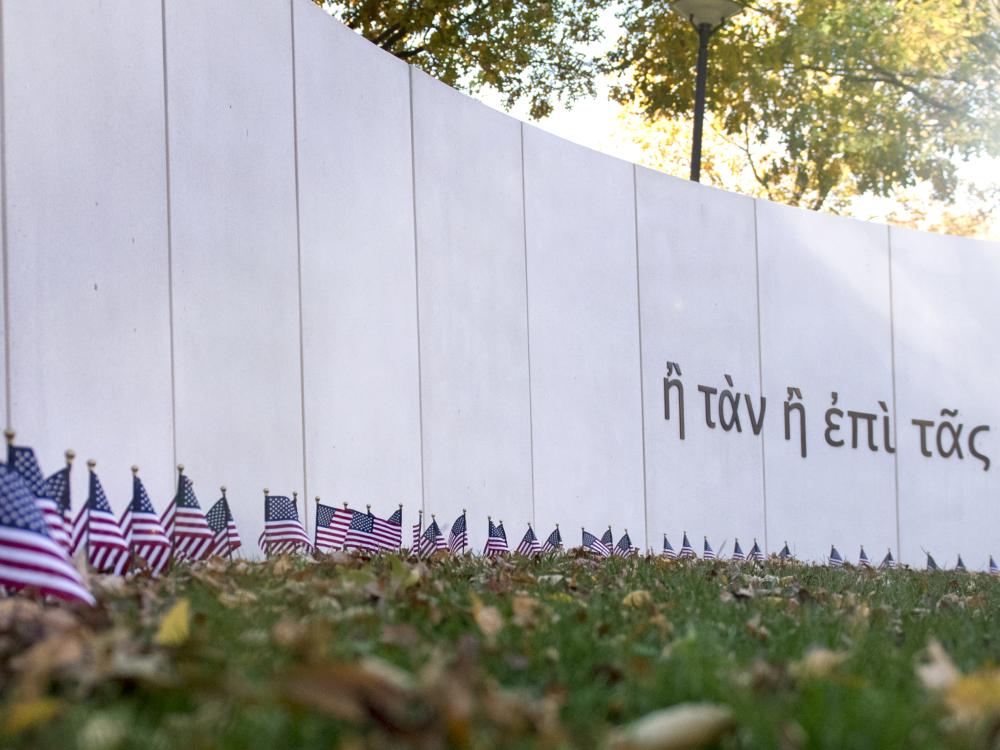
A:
(131, 552)
(267, 544)
(316, 525)
(91, 463)
(229, 546)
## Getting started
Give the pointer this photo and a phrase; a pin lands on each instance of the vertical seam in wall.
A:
(892, 360)
(416, 280)
(527, 328)
(3, 228)
(642, 385)
(760, 371)
(170, 236)
(298, 261)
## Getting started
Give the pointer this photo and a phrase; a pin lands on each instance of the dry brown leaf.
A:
(175, 627)
(940, 672)
(681, 727)
(816, 664)
(638, 598)
(975, 696)
(26, 714)
(488, 618)
(237, 598)
(756, 629)
(525, 608)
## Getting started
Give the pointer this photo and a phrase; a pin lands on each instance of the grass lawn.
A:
(564, 651)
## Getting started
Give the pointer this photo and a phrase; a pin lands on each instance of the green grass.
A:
(393, 653)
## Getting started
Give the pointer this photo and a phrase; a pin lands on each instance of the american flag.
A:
(863, 560)
(496, 540)
(185, 523)
(29, 557)
(785, 554)
(57, 487)
(389, 531)
(738, 552)
(624, 547)
(458, 537)
(707, 552)
(668, 550)
(331, 526)
(97, 530)
(836, 561)
(687, 551)
(418, 528)
(607, 539)
(361, 533)
(529, 545)
(756, 555)
(931, 563)
(595, 545)
(554, 542)
(142, 529)
(432, 540)
(994, 569)
(22, 460)
(887, 562)
(960, 566)
(283, 531)
(220, 520)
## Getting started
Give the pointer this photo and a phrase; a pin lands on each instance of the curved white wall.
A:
(245, 239)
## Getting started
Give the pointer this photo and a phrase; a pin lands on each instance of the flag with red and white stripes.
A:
(361, 533)
(283, 531)
(458, 537)
(668, 549)
(57, 487)
(554, 541)
(529, 545)
(863, 560)
(96, 529)
(432, 540)
(707, 552)
(496, 540)
(220, 520)
(595, 545)
(143, 531)
(687, 551)
(624, 547)
(418, 531)
(22, 459)
(185, 524)
(29, 557)
(331, 526)
(389, 531)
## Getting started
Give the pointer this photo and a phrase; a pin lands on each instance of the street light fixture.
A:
(705, 16)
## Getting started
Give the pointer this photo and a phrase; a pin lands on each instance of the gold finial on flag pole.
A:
(9, 434)
(91, 463)
(222, 489)
(70, 455)
(135, 469)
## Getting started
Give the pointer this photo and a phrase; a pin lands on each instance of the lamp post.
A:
(705, 16)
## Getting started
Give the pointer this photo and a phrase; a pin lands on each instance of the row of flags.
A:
(39, 537)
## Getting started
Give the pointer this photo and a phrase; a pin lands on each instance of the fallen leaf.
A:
(681, 727)
(975, 696)
(940, 672)
(638, 598)
(756, 629)
(488, 618)
(817, 663)
(175, 627)
(26, 714)
(524, 608)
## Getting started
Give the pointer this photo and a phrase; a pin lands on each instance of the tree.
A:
(524, 49)
(829, 99)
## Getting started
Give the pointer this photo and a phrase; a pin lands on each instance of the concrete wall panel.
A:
(235, 259)
(698, 295)
(473, 329)
(945, 314)
(86, 248)
(584, 322)
(359, 305)
(825, 328)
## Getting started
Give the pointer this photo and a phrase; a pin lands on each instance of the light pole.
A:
(706, 16)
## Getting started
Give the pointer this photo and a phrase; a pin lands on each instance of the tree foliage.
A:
(829, 98)
(522, 48)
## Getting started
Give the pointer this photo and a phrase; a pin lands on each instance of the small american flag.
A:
(785, 554)
(185, 523)
(836, 561)
(496, 540)
(418, 529)
(389, 531)
(143, 531)
(960, 566)
(331, 526)
(863, 560)
(97, 530)
(607, 539)
(57, 487)
(595, 545)
(668, 550)
(361, 533)
(624, 547)
(283, 531)
(529, 545)
(458, 537)
(756, 554)
(554, 541)
(887, 562)
(22, 460)
(707, 552)
(738, 552)
(220, 520)
(994, 569)
(29, 558)
(432, 540)
(931, 563)
(687, 551)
